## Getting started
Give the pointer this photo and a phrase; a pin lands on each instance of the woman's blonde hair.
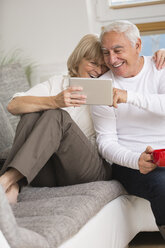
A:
(89, 47)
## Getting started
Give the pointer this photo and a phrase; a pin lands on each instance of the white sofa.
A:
(114, 226)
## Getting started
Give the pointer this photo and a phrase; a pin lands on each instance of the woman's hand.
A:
(70, 97)
(159, 59)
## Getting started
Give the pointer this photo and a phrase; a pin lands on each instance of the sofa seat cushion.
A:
(57, 214)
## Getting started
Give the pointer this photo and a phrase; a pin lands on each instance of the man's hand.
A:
(69, 98)
(119, 96)
(145, 162)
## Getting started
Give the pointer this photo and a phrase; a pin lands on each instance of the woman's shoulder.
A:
(106, 75)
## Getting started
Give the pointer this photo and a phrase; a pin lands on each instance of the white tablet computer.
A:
(98, 91)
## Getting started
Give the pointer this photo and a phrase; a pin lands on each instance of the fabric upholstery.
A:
(6, 132)
(16, 236)
(12, 80)
(57, 214)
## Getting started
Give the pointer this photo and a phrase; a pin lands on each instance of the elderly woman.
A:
(49, 148)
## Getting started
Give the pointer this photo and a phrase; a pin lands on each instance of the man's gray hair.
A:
(122, 26)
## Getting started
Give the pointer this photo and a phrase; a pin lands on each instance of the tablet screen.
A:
(98, 91)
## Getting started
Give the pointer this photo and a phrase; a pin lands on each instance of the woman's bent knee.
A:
(57, 114)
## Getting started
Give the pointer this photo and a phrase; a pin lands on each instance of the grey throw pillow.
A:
(12, 80)
(6, 132)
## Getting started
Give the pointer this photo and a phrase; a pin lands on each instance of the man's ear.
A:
(138, 45)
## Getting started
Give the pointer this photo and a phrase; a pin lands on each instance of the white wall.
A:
(46, 30)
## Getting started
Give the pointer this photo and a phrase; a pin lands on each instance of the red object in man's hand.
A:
(159, 157)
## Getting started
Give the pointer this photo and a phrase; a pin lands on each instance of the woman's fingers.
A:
(74, 97)
(71, 98)
(159, 59)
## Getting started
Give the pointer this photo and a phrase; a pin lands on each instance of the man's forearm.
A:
(113, 152)
(30, 104)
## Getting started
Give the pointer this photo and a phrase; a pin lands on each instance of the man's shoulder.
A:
(149, 62)
(150, 65)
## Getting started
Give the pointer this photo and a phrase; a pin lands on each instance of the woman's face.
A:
(91, 69)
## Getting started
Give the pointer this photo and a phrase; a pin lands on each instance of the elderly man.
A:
(127, 133)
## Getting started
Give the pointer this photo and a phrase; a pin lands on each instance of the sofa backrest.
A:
(12, 80)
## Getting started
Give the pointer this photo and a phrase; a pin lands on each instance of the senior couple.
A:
(50, 149)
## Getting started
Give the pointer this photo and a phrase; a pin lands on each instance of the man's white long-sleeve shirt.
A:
(124, 133)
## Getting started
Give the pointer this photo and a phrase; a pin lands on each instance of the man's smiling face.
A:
(119, 54)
